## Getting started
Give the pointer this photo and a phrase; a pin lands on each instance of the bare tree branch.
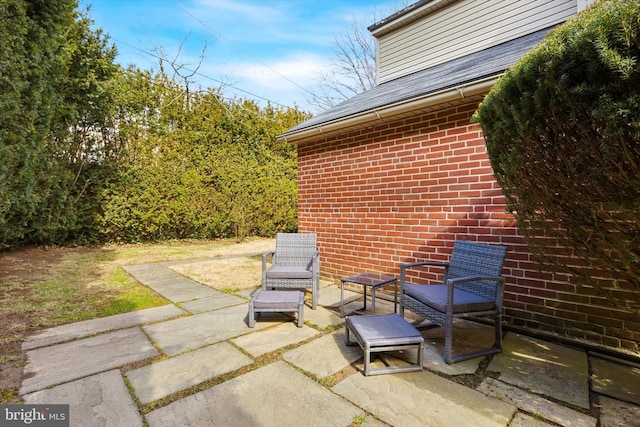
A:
(353, 69)
(180, 68)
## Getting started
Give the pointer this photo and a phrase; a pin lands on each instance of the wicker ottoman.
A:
(382, 333)
(276, 301)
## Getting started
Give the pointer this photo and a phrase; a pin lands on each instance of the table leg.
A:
(395, 297)
(373, 300)
(365, 299)
(341, 298)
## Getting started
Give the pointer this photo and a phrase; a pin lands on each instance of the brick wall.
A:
(404, 191)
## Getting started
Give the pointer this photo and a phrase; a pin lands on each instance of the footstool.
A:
(276, 301)
(382, 333)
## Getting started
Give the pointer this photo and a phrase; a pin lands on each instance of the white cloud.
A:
(285, 81)
(280, 73)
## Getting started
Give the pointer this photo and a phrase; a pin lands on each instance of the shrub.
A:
(563, 134)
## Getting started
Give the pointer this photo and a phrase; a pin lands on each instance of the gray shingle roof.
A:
(473, 67)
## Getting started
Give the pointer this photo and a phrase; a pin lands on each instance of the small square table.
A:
(373, 281)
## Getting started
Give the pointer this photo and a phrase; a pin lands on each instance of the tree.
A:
(31, 42)
(563, 134)
(353, 69)
(79, 139)
(353, 66)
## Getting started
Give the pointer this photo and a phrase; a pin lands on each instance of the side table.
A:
(373, 281)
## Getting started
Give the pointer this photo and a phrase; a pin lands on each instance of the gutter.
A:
(446, 95)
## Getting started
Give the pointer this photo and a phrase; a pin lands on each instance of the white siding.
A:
(461, 28)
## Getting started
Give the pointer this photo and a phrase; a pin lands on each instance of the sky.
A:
(264, 50)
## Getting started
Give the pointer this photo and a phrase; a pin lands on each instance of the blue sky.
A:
(256, 49)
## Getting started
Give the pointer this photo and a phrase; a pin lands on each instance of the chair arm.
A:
(315, 263)
(265, 257)
(428, 263)
(406, 266)
(459, 280)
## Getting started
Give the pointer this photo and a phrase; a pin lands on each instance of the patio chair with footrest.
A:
(295, 264)
(472, 287)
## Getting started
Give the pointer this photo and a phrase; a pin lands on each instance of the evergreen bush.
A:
(562, 129)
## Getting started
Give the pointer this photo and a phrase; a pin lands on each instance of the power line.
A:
(217, 97)
(229, 41)
(204, 75)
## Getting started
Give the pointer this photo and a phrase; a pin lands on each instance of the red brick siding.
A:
(404, 191)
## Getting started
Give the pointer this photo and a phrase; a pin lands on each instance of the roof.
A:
(453, 76)
(407, 15)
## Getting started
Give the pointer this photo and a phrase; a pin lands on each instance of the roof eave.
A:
(407, 15)
(477, 87)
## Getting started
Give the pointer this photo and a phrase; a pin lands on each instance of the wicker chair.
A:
(295, 264)
(472, 286)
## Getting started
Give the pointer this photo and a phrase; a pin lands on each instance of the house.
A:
(398, 172)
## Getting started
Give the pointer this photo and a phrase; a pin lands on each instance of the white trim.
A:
(387, 111)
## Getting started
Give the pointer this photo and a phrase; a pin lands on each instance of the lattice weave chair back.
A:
(295, 250)
(475, 259)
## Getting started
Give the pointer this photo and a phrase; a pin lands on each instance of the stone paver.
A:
(423, 399)
(354, 305)
(433, 360)
(467, 336)
(522, 420)
(372, 422)
(535, 404)
(187, 333)
(324, 356)
(322, 317)
(169, 284)
(330, 296)
(271, 339)
(60, 363)
(616, 379)
(98, 400)
(91, 327)
(614, 413)
(247, 293)
(544, 368)
(161, 379)
(214, 302)
(260, 398)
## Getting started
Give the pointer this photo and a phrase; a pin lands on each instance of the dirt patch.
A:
(228, 274)
(18, 270)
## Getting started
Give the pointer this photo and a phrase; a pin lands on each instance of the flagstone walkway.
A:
(195, 362)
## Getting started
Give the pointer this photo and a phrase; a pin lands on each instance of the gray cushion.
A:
(382, 327)
(286, 300)
(436, 296)
(282, 272)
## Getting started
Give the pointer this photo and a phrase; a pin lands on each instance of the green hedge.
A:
(563, 134)
(198, 166)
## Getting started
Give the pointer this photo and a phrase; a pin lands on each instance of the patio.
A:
(196, 362)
